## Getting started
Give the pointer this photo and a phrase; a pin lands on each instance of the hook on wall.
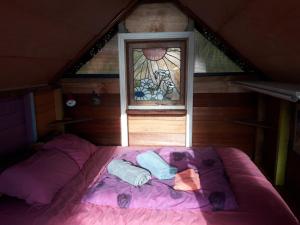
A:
(96, 100)
(70, 101)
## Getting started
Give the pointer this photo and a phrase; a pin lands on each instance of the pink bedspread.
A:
(259, 203)
(214, 195)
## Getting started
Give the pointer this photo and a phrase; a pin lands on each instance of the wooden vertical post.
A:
(58, 104)
(283, 141)
(59, 111)
(30, 119)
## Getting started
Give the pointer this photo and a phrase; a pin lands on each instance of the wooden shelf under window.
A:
(253, 123)
(161, 112)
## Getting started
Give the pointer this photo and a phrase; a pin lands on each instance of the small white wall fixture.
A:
(158, 36)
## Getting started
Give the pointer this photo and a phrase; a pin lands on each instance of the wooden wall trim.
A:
(164, 112)
(116, 75)
(214, 84)
(25, 90)
(218, 84)
(87, 86)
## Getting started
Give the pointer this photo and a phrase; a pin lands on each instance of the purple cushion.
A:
(38, 178)
(75, 147)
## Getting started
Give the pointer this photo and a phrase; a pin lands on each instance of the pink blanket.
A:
(215, 194)
(259, 203)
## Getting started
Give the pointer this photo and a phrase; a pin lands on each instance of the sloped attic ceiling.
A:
(267, 32)
(38, 37)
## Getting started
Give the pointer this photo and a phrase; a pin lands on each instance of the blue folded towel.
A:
(128, 172)
(156, 165)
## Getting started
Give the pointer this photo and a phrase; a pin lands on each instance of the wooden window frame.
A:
(188, 106)
(130, 46)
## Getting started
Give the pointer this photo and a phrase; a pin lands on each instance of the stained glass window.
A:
(156, 73)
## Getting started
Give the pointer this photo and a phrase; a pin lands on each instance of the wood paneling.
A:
(156, 17)
(104, 128)
(209, 84)
(106, 61)
(156, 130)
(87, 86)
(45, 111)
(224, 100)
(223, 113)
(219, 84)
(156, 139)
(213, 116)
(213, 120)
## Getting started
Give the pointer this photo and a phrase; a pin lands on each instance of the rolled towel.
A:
(156, 165)
(129, 173)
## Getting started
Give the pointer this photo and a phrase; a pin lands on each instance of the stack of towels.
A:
(152, 163)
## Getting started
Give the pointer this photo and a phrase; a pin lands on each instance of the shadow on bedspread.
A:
(214, 194)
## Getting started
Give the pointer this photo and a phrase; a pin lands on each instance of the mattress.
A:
(258, 201)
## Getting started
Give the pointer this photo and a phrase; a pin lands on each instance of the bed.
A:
(258, 202)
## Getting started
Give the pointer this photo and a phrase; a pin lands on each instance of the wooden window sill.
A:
(162, 112)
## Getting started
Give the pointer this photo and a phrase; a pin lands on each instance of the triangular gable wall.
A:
(104, 62)
(211, 55)
(210, 59)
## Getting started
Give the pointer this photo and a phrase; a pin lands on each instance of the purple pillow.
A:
(75, 147)
(38, 178)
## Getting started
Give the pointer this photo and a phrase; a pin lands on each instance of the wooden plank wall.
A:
(47, 109)
(104, 128)
(217, 103)
(156, 130)
(214, 116)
